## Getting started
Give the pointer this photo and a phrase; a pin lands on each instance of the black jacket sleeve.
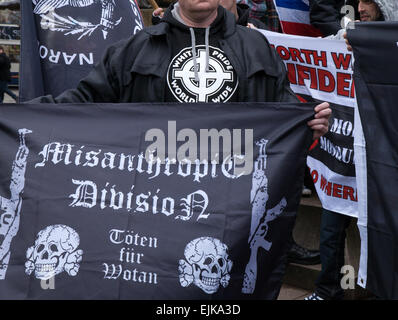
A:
(326, 16)
(283, 91)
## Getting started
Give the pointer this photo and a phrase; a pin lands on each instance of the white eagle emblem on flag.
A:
(69, 25)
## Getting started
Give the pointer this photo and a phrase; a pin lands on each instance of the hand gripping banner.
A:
(117, 202)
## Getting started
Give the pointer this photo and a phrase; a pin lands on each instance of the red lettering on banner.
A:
(283, 52)
(323, 182)
(307, 55)
(337, 190)
(296, 55)
(349, 192)
(322, 58)
(322, 80)
(352, 95)
(343, 84)
(314, 80)
(291, 72)
(315, 176)
(326, 186)
(341, 60)
(303, 73)
(323, 86)
(311, 56)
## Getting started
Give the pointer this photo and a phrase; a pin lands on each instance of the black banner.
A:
(335, 149)
(376, 67)
(62, 40)
(91, 209)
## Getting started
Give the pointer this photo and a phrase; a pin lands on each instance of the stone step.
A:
(306, 233)
(293, 293)
(302, 276)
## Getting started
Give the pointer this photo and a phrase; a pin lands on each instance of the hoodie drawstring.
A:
(207, 48)
(195, 63)
(193, 42)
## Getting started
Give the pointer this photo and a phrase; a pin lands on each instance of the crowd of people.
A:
(218, 23)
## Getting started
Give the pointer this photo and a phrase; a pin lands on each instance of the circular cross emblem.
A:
(217, 84)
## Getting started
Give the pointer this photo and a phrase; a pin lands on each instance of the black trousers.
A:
(332, 244)
(4, 89)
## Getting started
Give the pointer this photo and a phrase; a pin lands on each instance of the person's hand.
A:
(251, 25)
(349, 48)
(320, 123)
(159, 12)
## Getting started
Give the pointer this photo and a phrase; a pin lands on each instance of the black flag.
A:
(63, 40)
(117, 202)
(375, 48)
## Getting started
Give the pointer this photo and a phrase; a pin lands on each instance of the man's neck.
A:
(197, 21)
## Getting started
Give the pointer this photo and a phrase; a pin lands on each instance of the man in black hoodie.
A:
(149, 67)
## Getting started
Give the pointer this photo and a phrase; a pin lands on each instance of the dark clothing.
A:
(272, 18)
(156, 20)
(326, 14)
(4, 89)
(135, 70)
(332, 244)
(5, 77)
(244, 17)
(5, 66)
(264, 11)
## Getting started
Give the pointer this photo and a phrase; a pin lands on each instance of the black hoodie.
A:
(5, 65)
(215, 79)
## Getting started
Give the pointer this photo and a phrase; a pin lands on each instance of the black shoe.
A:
(300, 255)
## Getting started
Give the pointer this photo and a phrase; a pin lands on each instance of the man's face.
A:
(198, 7)
(368, 10)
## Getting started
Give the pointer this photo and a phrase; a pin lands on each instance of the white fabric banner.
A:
(322, 69)
(317, 67)
(339, 195)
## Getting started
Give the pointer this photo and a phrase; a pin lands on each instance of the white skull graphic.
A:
(54, 251)
(207, 264)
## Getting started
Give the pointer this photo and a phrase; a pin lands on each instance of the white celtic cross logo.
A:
(209, 82)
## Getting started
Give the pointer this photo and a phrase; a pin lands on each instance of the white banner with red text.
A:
(321, 70)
